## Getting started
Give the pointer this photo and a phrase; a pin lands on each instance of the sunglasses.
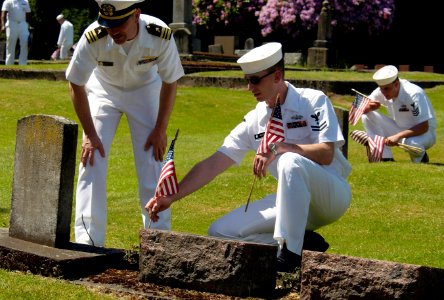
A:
(257, 80)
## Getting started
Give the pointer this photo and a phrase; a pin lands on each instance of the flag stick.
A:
(175, 137)
(268, 125)
(411, 149)
(251, 190)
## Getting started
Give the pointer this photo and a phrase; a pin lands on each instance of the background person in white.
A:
(66, 36)
(312, 188)
(410, 120)
(121, 66)
(16, 15)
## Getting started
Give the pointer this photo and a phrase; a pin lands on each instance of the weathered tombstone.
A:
(44, 169)
(182, 25)
(249, 44)
(228, 42)
(216, 49)
(292, 58)
(317, 55)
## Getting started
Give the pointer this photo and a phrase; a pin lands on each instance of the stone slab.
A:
(75, 262)
(207, 264)
(329, 276)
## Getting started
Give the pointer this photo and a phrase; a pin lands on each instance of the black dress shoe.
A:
(313, 241)
(288, 261)
(388, 159)
(425, 158)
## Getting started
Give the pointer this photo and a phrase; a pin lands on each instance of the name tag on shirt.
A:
(146, 60)
(259, 135)
(297, 124)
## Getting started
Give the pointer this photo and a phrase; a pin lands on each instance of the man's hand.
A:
(88, 148)
(156, 205)
(261, 163)
(158, 140)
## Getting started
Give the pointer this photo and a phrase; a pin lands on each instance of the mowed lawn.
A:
(396, 213)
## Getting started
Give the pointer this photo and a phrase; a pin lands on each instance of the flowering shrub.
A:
(295, 16)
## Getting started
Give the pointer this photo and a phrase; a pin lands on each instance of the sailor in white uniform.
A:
(125, 63)
(410, 117)
(311, 171)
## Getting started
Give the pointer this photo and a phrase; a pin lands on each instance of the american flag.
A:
(376, 146)
(357, 108)
(274, 132)
(167, 184)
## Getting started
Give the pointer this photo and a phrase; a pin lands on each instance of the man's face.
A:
(126, 31)
(261, 84)
(390, 90)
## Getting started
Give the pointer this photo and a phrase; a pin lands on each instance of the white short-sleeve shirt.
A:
(411, 107)
(110, 67)
(308, 117)
(16, 9)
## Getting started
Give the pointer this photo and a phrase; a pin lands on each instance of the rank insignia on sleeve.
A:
(162, 32)
(96, 34)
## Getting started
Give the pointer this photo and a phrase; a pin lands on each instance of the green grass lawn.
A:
(396, 213)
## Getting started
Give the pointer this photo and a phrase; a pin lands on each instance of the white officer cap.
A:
(59, 17)
(385, 75)
(261, 58)
(113, 13)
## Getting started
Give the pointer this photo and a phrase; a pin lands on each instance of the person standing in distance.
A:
(16, 17)
(66, 36)
(125, 63)
(411, 118)
(311, 171)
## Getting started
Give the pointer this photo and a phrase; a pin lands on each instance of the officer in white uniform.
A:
(311, 171)
(410, 120)
(66, 36)
(125, 63)
(16, 15)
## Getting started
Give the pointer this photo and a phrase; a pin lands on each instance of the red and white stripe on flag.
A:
(376, 146)
(167, 184)
(274, 132)
(357, 108)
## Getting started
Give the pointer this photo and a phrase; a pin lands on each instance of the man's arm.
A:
(322, 154)
(200, 175)
(91, 140)
(416, 130)
(158, 137)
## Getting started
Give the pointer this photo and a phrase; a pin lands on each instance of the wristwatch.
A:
(272, 148)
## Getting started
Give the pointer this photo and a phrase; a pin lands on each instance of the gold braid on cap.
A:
(108, 12)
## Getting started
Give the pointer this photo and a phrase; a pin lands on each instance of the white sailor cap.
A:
(113, 13)
(59, 17)
(261, 58)
(385, 75)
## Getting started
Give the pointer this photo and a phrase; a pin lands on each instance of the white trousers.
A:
(379, 124)
(16, 31)
(140, 108)
(308, 197)
(64, 50)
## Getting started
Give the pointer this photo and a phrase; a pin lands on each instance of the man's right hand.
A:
(88, 148)
(156, 205)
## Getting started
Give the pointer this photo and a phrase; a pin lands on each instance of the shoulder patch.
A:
(157, 30)
(96, 34)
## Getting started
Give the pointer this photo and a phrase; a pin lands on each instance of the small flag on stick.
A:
(275, 130)
(273, 133)
(357, 108)
(376, 146)
(167, 184)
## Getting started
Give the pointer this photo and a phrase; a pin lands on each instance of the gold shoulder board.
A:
(96, 34)
(162, 32)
